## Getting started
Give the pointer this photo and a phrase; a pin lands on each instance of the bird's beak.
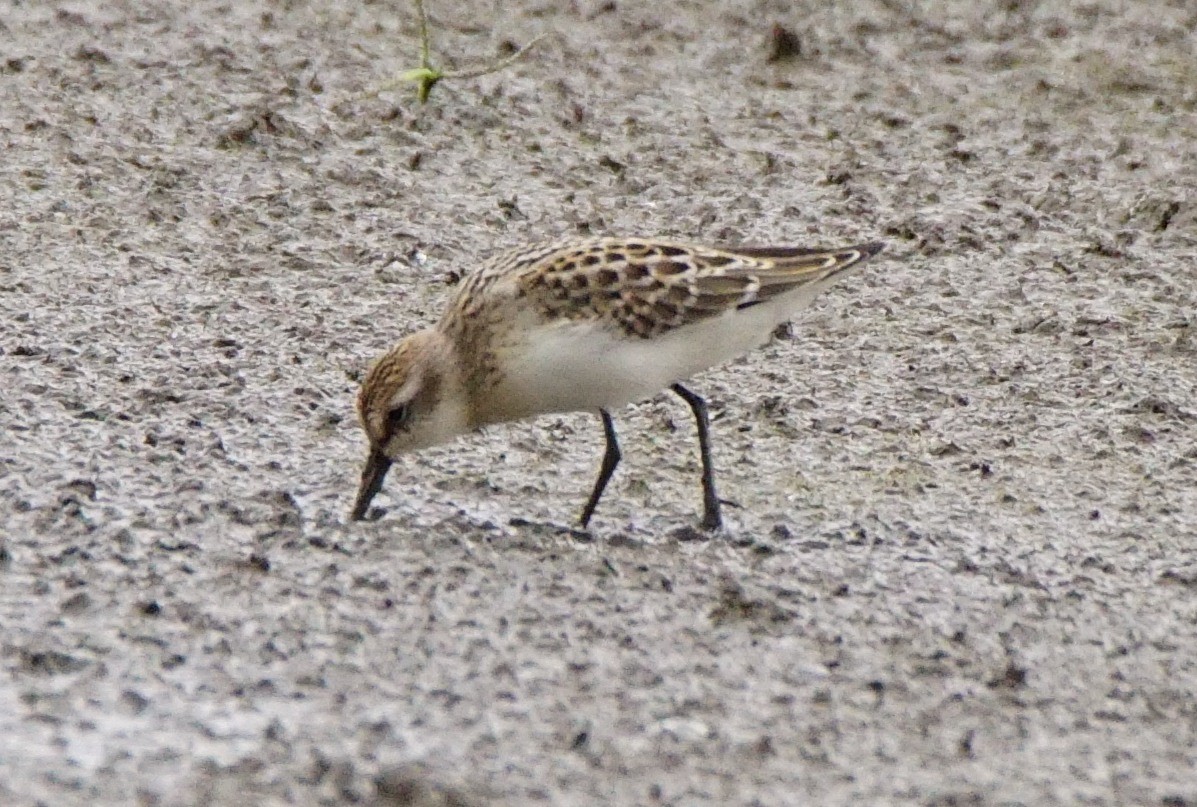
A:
(377, 465)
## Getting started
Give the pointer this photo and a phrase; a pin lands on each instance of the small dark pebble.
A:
(622, 539)
(414, 784)
(611, 164)
(134, 702)
(76, 602)
(50, 662)
(1014, 677)
(689, 534)
(784, 44)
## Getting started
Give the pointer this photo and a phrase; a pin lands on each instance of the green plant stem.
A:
(426, 76)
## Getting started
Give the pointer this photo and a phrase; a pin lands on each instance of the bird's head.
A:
(411, 399)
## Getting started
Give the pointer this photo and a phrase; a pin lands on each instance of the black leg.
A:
(711, 519)
(611, 458)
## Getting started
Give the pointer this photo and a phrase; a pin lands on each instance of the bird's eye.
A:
(398, 417)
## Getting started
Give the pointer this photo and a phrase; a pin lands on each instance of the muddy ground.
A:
(962, 564)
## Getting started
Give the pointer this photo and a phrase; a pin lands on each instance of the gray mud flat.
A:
(962, 568)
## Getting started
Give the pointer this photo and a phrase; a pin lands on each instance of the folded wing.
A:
(646, 288)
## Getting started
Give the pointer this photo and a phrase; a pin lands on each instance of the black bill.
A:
(377, 465)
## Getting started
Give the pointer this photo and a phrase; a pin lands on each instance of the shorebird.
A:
(585, 324)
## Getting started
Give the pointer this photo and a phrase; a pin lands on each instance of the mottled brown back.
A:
(646, 288)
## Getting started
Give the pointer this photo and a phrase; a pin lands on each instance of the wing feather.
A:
(646, 288)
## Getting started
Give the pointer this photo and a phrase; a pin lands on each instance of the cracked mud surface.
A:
(962, 564)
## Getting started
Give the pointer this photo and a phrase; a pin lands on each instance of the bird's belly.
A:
(576, 366)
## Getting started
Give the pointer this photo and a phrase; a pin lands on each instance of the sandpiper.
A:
(585, 324)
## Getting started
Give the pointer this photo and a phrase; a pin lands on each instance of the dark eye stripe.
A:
(397, 418)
